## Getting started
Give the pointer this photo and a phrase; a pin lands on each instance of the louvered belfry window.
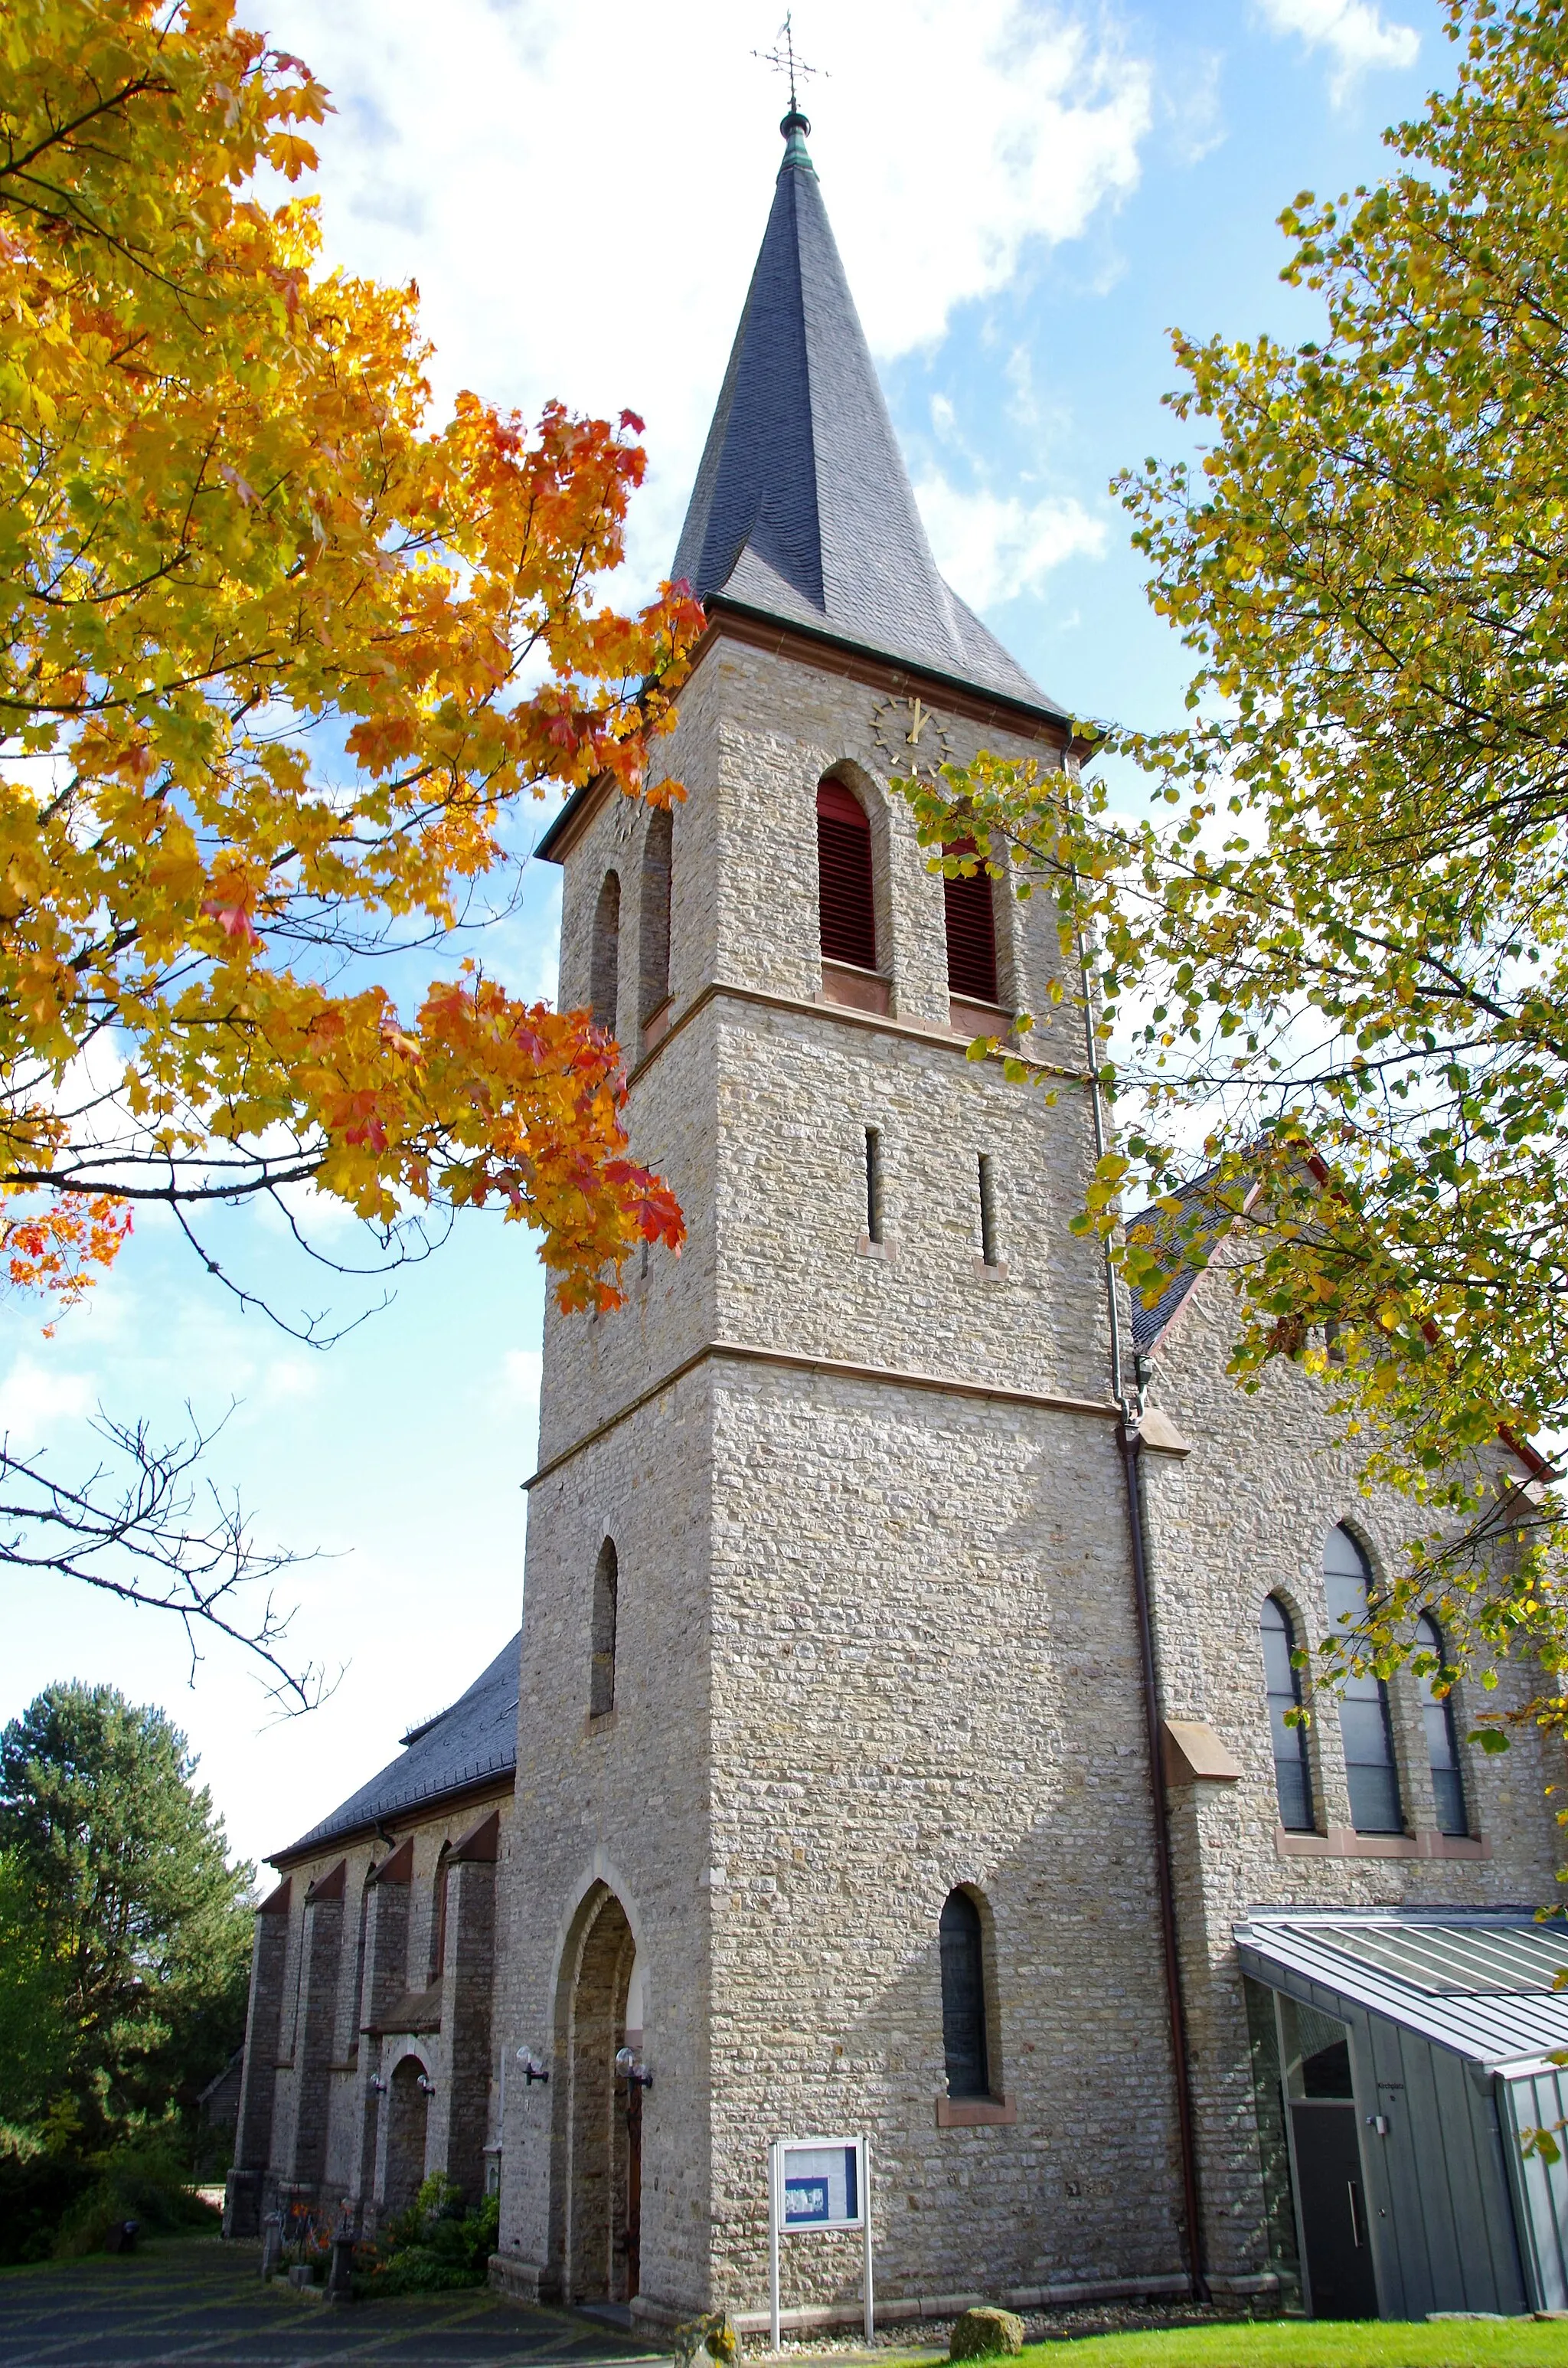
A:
(972, 932)
(844, 864)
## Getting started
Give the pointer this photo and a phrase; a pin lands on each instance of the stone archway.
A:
(598, 2126)
(408, 2108)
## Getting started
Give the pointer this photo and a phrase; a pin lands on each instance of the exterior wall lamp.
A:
(375, 2084)
(630, 2071)
(426, 2084)
(533, 2065)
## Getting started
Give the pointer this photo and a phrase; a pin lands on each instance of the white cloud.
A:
(590, 233)
(991, 549)
(35, 1397)
(1353, 31)
(521, 1370)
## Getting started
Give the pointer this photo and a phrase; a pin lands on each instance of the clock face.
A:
(909, 738)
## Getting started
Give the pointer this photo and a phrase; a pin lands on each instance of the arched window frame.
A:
(970, 2049)
(851, 924)
(604, 974)
(1283, 1691)
(654, 917)
(1366, 1716)
(1440, 1733)
(603, 1625)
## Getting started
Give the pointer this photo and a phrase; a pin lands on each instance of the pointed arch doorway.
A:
(597, 2118)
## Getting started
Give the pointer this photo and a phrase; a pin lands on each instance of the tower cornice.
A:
(832, 654)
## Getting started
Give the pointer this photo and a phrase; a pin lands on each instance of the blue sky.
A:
(1026, 197)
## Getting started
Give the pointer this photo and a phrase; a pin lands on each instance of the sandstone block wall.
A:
(1242, 1517)
(875, 1642)
(334, 1979)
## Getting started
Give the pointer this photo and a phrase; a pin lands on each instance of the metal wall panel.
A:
(1541, 2189)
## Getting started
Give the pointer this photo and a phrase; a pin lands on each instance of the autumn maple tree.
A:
(281, 654)
(1333, 981)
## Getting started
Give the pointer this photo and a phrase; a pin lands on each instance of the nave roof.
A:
(468, 1744)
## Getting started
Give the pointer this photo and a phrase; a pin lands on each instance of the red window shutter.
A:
(972, 932)
(844, 864)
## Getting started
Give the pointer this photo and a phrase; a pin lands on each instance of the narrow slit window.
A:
(962, 1946)
(972, 930)
(607, 1612)
(1282, 1679)
(604, 977)
(654, 933)
(1365, 1726)
(438, 1918)
(987, 1211)
(873, 1185)
(1442, 1738)
(847, 908)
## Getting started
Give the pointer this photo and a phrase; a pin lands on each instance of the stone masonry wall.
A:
(620, 1801)
(925, 1676)
(1244, 1516)
(336, 1971)
(876, 1640)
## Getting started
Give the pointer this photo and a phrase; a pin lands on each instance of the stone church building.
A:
(896, 1745)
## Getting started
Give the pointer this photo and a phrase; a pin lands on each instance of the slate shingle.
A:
(803, 507)
(475, 1738)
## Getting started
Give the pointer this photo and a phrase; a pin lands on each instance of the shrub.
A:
(37, 2189)
(437, 2244)
(142, 2177)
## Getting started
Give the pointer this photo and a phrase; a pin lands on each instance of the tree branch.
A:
(144, 1527)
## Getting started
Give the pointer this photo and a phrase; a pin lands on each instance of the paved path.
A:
(201, 2303)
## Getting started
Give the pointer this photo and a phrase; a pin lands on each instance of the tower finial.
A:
(795, 125)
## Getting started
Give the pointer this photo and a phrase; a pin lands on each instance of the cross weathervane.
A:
(784, 60)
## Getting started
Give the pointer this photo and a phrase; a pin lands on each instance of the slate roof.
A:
(1479, 1982)
(803, 507)
(476, 1738)
(1167, 1227)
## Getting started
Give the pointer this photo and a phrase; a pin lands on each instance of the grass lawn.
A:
(1320, 2343)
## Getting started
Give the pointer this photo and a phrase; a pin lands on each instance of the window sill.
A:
(1343, 1842)
(976, 2112)
(598, 1722)
(657, 1023)
(862, 990)
(983, 1274)
(866, 1247)
(971, 1019)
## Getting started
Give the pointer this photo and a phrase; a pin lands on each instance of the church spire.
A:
(803, 507)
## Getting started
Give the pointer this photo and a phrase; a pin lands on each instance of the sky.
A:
(1026, 198)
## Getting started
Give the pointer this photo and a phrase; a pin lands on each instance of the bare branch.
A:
(144, 1527)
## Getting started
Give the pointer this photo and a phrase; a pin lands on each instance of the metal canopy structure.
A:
(1414, 2155)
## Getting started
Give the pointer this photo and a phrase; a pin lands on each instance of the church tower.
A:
(833, 1795)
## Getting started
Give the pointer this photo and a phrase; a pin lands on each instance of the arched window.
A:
(1292, 1769)
(972, 931)
(438, 1916)
(607, 1590)
(1442, 1741)
(1364, 1721)
(653, 929)
(963, 1997)
(604, 980)
(843, 868)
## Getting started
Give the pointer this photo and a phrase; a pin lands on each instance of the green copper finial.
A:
(795, 125)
